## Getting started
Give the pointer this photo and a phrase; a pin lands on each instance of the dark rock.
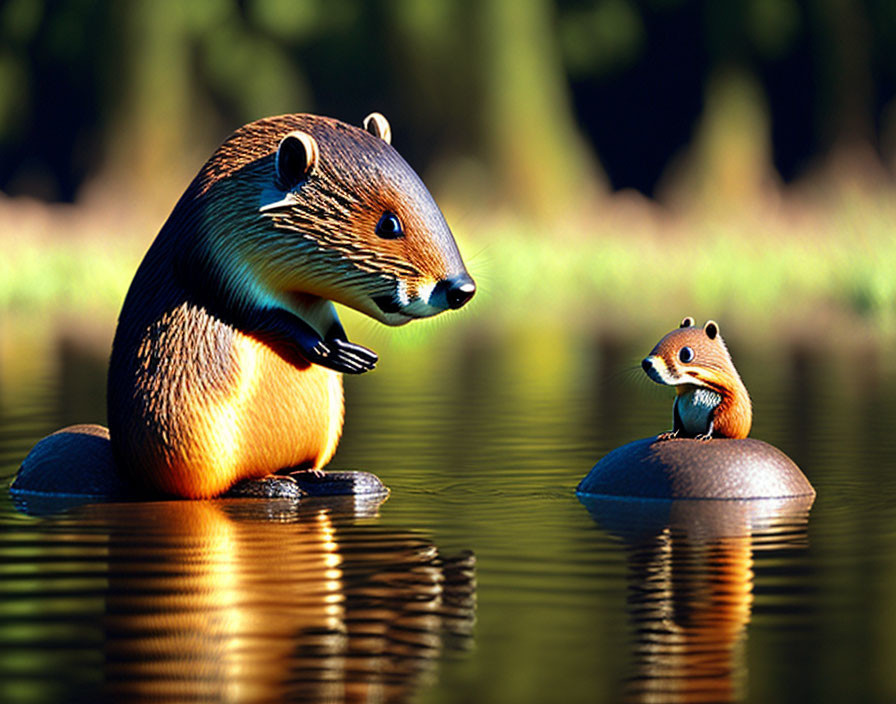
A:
(340, 483)
(685, 468)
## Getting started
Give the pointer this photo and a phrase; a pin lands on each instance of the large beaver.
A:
(227, 357)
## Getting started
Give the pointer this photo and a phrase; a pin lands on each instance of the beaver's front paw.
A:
(349, 358)
(343, 356)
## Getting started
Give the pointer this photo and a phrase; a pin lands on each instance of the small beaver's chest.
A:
(695, 409)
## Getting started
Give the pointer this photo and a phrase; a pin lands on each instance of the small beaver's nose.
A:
(646, 364)
(458, 290)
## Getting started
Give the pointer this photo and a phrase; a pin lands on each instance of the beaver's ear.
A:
(711, 329)
(296, 158)
(378, 126)
(687, 322)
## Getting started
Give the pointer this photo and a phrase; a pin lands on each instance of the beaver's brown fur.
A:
(711, 399)
(226, 359)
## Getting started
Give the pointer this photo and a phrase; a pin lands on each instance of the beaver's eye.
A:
(686, 354)
(389, 226)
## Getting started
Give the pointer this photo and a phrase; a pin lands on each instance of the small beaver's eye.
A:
(686, 354)
(389, 226)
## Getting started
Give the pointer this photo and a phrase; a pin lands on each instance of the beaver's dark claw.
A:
(343, 356)
(354, 359)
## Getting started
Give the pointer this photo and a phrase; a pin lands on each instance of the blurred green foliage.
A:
(761, 274)
(522, 115)
(550, 99)
(600, 37)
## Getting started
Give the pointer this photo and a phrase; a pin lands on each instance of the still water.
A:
(482, 578)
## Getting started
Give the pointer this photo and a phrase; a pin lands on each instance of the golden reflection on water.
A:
(690, 595)
(249, 601)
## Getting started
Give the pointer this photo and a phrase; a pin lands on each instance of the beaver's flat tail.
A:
(75, 461)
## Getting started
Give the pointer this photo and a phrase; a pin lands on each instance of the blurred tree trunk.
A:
(728, 164)
(540, 162)
(846, 76)
(846, 107)
(158, 135)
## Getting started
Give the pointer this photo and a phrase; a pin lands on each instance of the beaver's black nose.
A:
(646, 365)
(458, 290)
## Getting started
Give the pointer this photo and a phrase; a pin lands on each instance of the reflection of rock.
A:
(691, 587)
(272, 601)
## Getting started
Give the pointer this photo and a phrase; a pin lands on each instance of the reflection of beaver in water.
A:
(226, 360)
(691, 581)
(711, 398)
(248, 601)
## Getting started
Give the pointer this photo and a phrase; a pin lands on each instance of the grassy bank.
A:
(768, 270)
(628, 264)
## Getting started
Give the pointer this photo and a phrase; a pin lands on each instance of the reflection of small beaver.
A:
(226, 357)
(712, 400)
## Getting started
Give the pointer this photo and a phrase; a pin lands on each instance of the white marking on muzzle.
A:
(401, 292)
(424, 292)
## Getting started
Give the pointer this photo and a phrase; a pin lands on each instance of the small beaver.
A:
(227, 356)
(711, 402)
(711, 398)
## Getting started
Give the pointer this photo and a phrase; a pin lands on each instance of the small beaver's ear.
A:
(711, 329)
(296, 158)
(378, 126)
(687, 322)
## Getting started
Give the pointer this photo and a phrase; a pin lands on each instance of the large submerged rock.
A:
(684, 468)
(48, 481)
